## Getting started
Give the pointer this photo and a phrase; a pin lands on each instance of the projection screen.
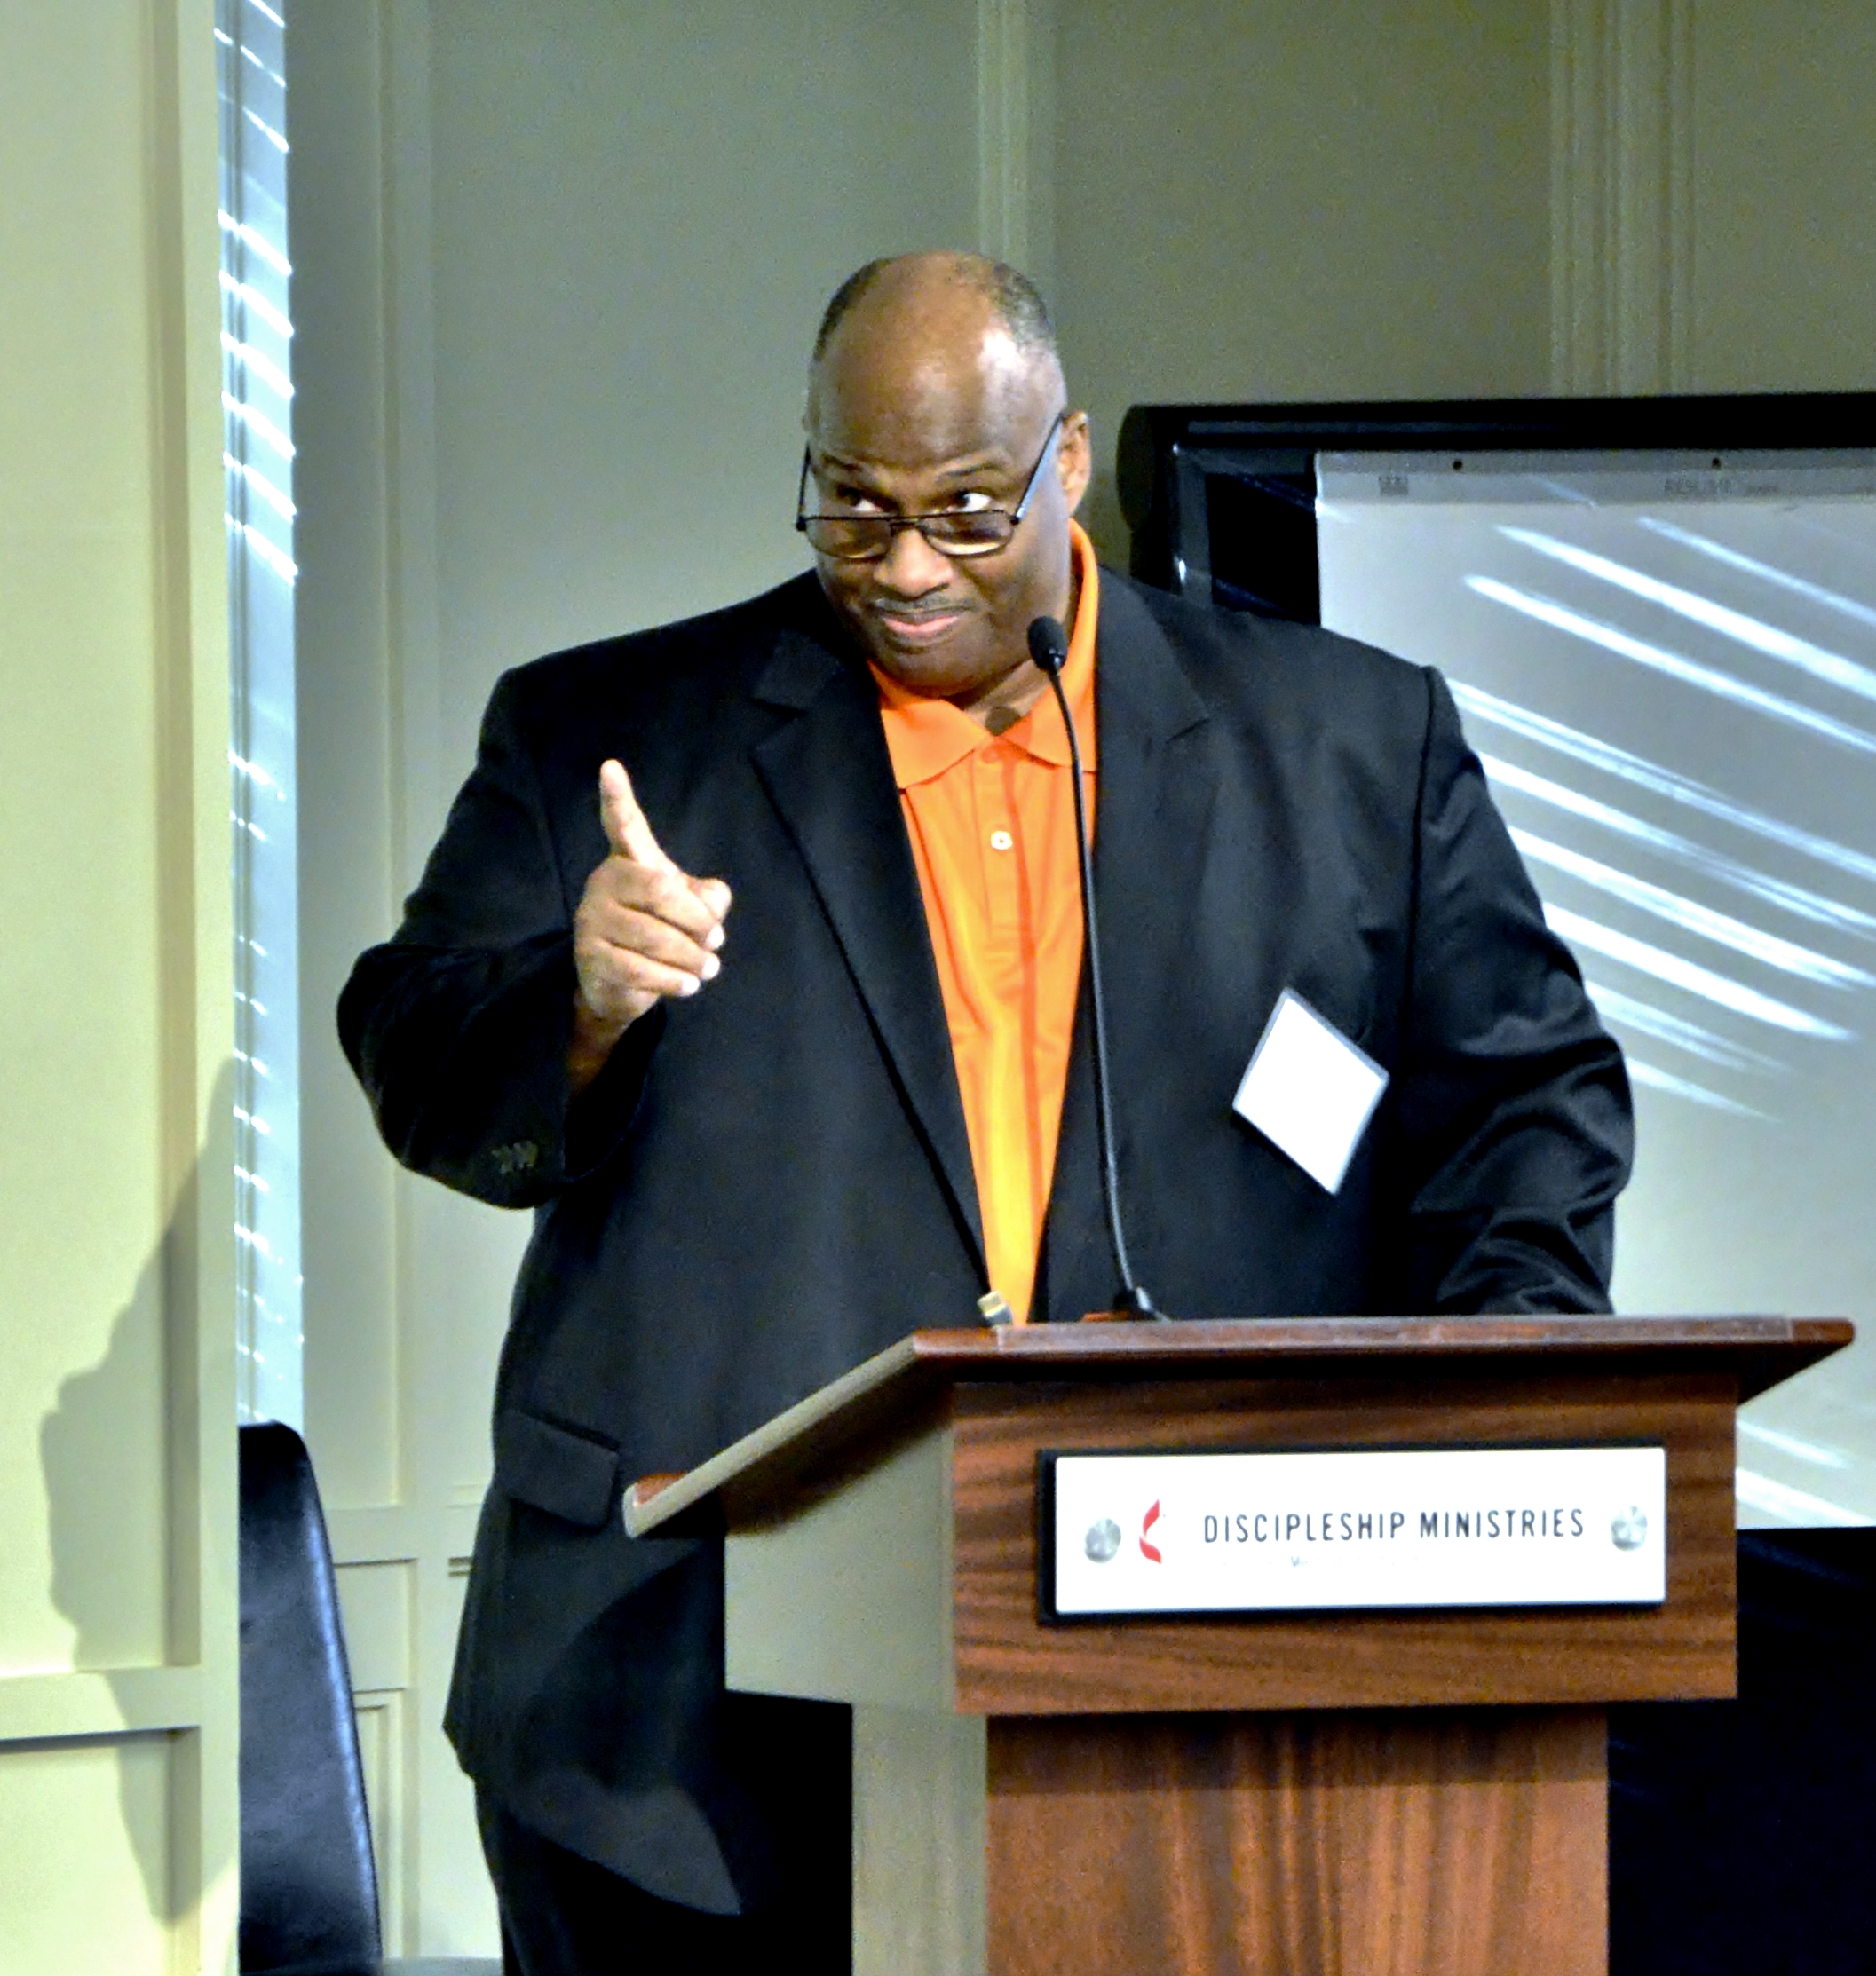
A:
(1668, 666)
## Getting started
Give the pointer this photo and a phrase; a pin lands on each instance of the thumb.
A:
(625, 830)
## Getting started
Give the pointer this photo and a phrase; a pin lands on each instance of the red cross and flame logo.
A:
(1147, 1521)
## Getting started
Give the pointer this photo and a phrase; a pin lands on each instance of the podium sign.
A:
(1345, 1529)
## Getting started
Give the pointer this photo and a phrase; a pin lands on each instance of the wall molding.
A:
(1622, 161)
(1016, 134)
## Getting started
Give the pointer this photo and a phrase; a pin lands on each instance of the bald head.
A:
(927, 326)
(935, 386)
(1015, 298)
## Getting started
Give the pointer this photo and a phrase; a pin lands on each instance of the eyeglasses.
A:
(959, 532)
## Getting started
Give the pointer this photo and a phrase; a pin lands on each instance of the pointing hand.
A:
(645, 930)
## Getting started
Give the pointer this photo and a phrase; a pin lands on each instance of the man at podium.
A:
(751, 958)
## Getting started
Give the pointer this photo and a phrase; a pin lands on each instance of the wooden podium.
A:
(1379, 1793)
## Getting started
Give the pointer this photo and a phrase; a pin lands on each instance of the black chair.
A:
(309, 1901)
(1742, 1834)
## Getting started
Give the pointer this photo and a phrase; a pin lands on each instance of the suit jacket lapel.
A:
(1155, 787)
(827, 772)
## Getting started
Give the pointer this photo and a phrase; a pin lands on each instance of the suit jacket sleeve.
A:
(1512, 1103)
(458, 1026)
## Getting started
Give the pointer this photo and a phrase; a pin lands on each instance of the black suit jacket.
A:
(772, 1181)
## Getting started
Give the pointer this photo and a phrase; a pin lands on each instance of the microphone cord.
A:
(1048, 647)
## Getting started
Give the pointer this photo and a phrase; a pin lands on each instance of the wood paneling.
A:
(1009, 1663)
(1422, 1843)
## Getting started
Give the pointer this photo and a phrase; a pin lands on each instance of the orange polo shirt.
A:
(991, 823)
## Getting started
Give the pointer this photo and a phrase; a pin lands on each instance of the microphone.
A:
(1048, 647)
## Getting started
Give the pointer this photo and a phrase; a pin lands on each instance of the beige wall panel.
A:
(345, 610)
(382, 1720)
(444, 1856)
(82, 963)
(116, 1304)
(462, 1262)
(1784, 196)
(639, 212)
(101, 1448)
(374, 1603)
(1305, 199)
(86, 1873)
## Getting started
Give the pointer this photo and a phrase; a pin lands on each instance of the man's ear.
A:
(1075, 459)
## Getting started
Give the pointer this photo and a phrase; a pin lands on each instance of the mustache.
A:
(918, 609)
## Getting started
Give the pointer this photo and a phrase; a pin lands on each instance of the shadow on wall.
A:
(120, 1554)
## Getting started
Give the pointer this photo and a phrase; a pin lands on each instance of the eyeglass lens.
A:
(961, 535)
(968, 532)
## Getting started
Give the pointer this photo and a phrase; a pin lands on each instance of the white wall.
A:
(639, 212)
(1784, 204)
(1345, 199)
(1303, 198)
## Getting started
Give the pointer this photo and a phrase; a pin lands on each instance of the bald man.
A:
(750, 960)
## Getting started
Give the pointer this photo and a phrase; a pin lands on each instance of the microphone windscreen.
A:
(1048, 645)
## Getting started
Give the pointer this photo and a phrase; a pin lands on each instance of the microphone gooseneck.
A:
(1048, 647)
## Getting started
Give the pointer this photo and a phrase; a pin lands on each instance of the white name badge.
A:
(1309, 1090)
(1351, 1528)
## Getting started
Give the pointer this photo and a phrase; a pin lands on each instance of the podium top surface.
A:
(1759, 1351)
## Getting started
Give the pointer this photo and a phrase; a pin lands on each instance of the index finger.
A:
(624, 822)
